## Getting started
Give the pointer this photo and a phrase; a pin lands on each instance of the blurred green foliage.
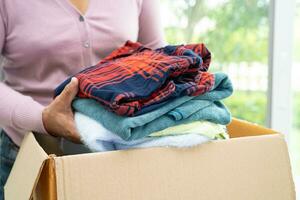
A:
(296, 111)
(255, 104)
(249, 106)
(234, 30)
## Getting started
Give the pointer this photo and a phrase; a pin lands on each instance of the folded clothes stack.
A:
(138, 97)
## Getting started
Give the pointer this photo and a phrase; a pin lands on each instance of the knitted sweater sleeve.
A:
(150, 28)
(16, 110)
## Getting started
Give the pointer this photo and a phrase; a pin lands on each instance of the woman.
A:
(43, 42)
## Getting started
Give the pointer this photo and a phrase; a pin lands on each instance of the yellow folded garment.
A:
(209, 129)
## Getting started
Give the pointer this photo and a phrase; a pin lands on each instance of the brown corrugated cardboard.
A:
(26, 170)
(254, 164)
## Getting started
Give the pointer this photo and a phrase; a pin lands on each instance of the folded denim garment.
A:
(182, 110)
(97, 138)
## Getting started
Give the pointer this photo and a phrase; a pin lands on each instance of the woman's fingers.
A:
(74, 136)
(58, 117)
(72, 133)
(69, 92)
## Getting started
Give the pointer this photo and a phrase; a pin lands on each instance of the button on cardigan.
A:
(44, 42)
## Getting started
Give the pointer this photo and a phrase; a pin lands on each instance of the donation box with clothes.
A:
(253, 164)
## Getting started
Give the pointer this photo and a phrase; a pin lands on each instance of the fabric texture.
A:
(93, 134)
(98, 138)
(179, 111)
(38, 56)
(179, 141)
(206, 128)
(8, 154)
(134, 77)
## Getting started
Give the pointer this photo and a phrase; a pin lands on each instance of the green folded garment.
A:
(209, 129)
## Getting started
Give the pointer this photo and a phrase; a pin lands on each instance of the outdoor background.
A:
(237, 34)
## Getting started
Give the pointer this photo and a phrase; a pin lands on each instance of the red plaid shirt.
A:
(134, 79)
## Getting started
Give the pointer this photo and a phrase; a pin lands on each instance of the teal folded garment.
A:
(178, 111)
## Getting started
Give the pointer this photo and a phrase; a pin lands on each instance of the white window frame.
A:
(279, 111)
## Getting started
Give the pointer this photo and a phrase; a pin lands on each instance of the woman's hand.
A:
(58, 117)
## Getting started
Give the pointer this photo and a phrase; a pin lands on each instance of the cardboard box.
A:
(253, 165)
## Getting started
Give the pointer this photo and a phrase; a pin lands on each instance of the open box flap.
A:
(46, 186)
(241, 128)
(26, 169)
(264, 159)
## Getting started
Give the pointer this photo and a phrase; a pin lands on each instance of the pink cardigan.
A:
(44, 42)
